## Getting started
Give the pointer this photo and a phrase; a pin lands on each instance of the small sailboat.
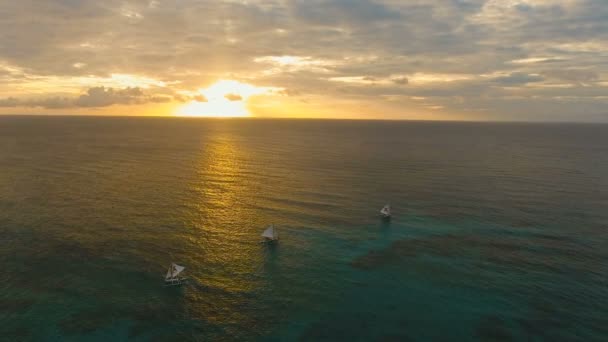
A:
(386, 211)
(173, 275)
(271, 233)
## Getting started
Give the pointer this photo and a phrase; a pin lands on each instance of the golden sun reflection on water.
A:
(227, 240)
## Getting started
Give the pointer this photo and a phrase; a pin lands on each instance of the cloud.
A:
(290, 92)
(516, 78)
(572, 75)
(233, 97)
(200, 98)
(101, 97)
(51, 103)
(95, 97)
(531, 60)
(400, 80)
(88, 54)
(161, 98)
(9, 102)
(348, 12)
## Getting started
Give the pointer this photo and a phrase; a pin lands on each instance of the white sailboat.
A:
(386, 211)
(173, 275)
(271, 233)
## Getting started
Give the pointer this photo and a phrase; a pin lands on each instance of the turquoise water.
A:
(500, 231)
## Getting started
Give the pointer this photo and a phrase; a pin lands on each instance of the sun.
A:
(223, 99)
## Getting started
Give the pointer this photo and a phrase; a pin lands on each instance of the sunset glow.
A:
(220, 108)
(225, 98)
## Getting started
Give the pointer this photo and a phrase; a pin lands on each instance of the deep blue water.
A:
(500, 231)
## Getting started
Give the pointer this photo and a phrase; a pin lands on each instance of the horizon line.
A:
(300, 118)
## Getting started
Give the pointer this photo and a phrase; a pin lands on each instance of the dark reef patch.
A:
(394, 338)
(516, 252)
(16, 334)
(87, 321)
(492, 328)
(15, 305)
(343, 327)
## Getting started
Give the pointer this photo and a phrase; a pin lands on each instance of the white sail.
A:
(386, 210)
(174, 270)
(270, 233)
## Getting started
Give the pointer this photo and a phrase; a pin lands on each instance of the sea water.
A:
(499, 230)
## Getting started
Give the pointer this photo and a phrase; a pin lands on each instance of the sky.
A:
(505, 60)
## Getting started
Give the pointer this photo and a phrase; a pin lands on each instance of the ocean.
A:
(499, 230)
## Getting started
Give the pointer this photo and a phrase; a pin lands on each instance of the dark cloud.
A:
(94, 97)
(400, 80)
(572, 75)
(101, 97)
(51, 103)
(349, 12)
(9, 102)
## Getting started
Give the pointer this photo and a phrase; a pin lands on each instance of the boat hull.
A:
(175, 281)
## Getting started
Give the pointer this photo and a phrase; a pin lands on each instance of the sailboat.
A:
(271, 233)
(172, 277)
(386, 211)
